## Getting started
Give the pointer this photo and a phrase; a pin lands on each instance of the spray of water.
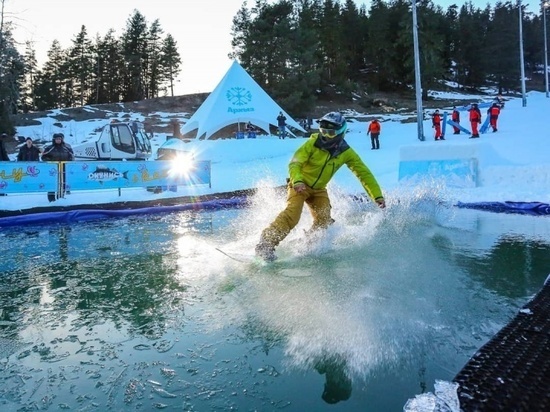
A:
(358, 292)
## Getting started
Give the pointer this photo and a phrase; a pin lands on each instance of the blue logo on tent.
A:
(238, 96)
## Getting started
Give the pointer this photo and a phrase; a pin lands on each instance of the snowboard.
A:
(459, 126)
(282, 266)
(444, 125)
(485, 125)
(240, 257)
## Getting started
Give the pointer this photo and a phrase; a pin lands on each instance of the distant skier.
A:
(436, 124)
(493, 112)
(374, 131)
(455, 117)
(475, 120)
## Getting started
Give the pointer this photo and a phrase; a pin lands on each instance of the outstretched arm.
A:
(365, 176)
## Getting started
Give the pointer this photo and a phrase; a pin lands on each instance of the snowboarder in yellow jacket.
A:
(310, 170)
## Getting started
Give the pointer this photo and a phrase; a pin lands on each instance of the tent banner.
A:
(23, 177)
(84, 175)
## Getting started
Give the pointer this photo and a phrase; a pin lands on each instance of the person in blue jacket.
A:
(281, 123)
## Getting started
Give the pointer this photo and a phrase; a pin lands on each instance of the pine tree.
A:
(134, 51)
(170, 62)
(470, 53)
(304, 68)
(109, 68)
(330, 36)
(30, 70)
(11, 78)
(153, 62)
(240, 36)
(49, 91)
(502, 59)
(353, 39)
(380, 69)
(451, 35)
(80, 66)
(432, 27)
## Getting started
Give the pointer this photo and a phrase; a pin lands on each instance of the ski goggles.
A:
(330, 132)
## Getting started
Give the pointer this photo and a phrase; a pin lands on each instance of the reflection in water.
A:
(507, 266)
(150, 312)
(337, 382)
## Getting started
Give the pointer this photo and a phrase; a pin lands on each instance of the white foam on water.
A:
(362, 290)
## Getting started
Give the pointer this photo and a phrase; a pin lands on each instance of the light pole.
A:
(522, 66)
(545, 5)
(418, 86)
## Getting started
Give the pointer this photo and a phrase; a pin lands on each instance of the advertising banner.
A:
(82, 175)
(24, 177)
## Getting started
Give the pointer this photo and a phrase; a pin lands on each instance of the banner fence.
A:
(26, 177)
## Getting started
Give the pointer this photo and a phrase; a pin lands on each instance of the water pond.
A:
(143, 313)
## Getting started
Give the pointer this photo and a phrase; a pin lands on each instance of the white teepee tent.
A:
(236, 99)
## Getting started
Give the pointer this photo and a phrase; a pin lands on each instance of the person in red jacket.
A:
(455, 117)
(436, 122)
(475, 119)
(374, 131)
(493, 113)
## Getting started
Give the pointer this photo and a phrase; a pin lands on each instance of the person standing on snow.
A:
(58, 151)
(455, 117)
(28, 152)
(374, 131)
(281, 123)
(436, 124)
(475, 120)
(493, 113)
(3, 152)
(499, 101)
(311, 168)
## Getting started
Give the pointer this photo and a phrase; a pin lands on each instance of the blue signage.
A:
(239, 97)
(120, 174)
(23, 177)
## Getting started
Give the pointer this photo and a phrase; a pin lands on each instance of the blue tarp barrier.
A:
(83, 215)
(525, 208)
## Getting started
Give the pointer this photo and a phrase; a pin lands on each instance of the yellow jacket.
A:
(315, 166)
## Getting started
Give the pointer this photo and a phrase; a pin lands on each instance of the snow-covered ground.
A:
(513, 164)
